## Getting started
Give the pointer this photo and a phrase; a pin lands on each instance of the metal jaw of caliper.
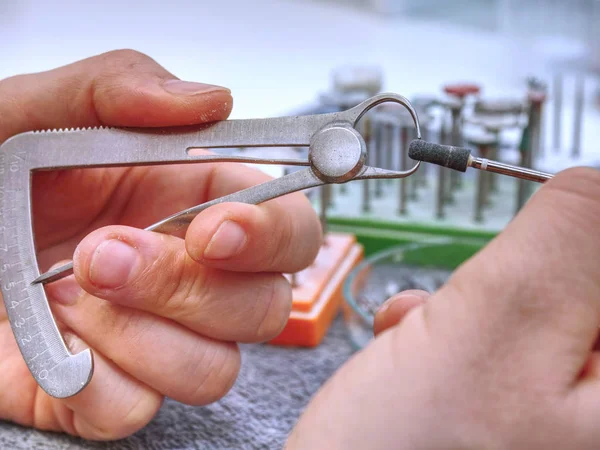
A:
(337, 154)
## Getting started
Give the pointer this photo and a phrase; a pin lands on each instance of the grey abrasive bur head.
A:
(456, 158)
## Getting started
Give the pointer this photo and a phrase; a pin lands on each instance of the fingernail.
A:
(74, 343)
(386, 305)
(412, 294)
(228, 241)
(179, 87)
(112, 263)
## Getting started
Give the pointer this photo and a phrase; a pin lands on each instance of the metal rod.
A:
(421, 179)
(578, 124)
(413, 185)
(371, 131)
(403, 163)
(480, 197)
(493, 180)
(442, 179)
(510, 170)
(380, 141)
(446, 178)
(483, 182)
(390, 154)
(455, 178)
(329, 193)
(441, 192)
(531, 147)
(323, 212)
(535, 128)
(558, 94)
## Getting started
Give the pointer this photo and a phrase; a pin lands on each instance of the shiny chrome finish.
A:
(510, 170)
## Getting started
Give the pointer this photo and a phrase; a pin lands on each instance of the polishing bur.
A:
(460, 158)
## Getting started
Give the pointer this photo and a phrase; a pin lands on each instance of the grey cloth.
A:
(274, 386)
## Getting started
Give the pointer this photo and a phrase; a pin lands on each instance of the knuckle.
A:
(279, 249)
(125, 58)
(298, 235)
(167, 281)
(126, 323)
(276, 296)
(140, 412)
(281, 245)
(191, 283)
(131, 419)
(215, 370)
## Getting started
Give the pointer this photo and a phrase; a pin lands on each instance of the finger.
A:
(119, 88)
(534, 289)
(153, 272)
(395, 308)
(161, 354)
(281, 235)
(112, 406)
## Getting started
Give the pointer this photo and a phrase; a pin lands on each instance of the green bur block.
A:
(377, 236)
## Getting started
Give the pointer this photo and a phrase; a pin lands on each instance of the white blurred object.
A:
(367, 79)
(391, 6)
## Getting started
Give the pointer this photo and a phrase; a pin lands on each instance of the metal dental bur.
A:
(459, 158)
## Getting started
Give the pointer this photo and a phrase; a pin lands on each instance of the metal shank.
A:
(506, 169)
(60, 373)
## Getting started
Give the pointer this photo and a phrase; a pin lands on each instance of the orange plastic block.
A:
(318, 294)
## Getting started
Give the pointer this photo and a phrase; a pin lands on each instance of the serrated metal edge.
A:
(67, 130)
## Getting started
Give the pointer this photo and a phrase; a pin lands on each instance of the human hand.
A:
(502, 357)
(161, 313)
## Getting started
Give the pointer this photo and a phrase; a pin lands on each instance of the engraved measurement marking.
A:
(15, 166)
(14, 304)
(27, 307)
(8, 266)
(18, 323)
(11, 284)
(39, 354)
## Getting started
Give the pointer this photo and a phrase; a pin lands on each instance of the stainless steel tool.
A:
(337, 154)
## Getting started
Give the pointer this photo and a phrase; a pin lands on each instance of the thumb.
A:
(120, 88)
(396, 308)
(531, 297)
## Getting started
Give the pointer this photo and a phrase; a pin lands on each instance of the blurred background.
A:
(277, 55)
